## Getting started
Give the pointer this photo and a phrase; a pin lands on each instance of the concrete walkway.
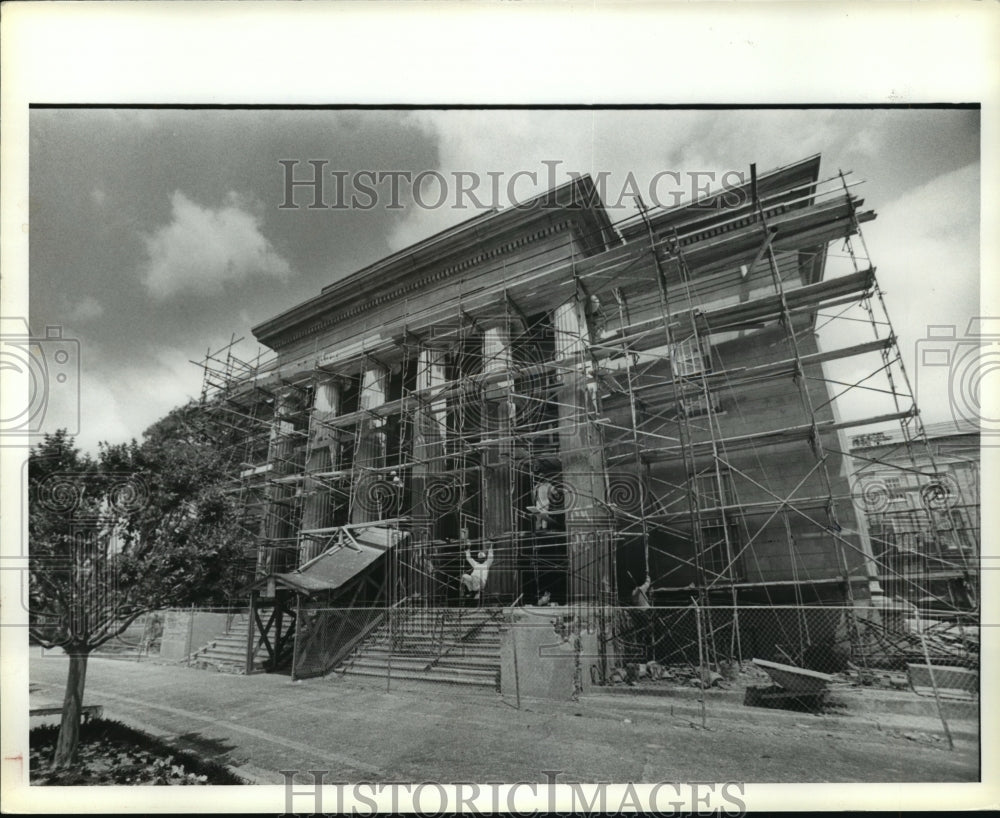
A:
(266, 723)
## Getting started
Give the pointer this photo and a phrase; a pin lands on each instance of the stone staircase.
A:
(227, 652)
(446, 646)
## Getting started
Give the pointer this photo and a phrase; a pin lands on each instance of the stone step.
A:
(228, 641)
(225, 651)
(477, 655)
(221, 664)
(433, 645)
(221, 661)
(485, 630)
(482, 661)
(231, 640)
(451, 617)
(487, 627)
(418, 665)
(464, 650)
(471, 630)
(449, 637)
(430, 677)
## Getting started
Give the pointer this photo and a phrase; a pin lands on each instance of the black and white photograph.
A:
(395, 454)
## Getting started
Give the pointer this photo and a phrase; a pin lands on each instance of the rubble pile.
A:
(728, 675)
(894, 647)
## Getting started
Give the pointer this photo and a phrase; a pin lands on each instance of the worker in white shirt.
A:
(474, 582)
(542, 497)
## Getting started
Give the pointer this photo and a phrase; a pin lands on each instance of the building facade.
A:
(925, 536)
(591, 403)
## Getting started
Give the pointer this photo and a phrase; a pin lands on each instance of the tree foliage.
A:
(139, 527)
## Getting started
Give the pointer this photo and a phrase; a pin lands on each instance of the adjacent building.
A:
(925, 535)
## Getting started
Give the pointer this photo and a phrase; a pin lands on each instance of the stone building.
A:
(925, 536)
(592, 402)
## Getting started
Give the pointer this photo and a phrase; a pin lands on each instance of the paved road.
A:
(362, 733)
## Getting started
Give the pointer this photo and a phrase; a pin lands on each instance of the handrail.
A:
(475, 628)
(352, 642)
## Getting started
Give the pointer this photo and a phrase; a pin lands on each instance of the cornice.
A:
(574, 203)
(304, 329)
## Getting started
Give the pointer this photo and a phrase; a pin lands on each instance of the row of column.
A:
(584, 475)
(583, 472)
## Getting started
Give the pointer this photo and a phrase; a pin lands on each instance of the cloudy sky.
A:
(157, 234)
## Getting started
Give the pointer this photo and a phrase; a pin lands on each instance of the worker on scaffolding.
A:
(474, 582)
(542, 498)
(642, 616)
(640, 594)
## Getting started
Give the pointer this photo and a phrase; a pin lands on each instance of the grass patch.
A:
(113, 753)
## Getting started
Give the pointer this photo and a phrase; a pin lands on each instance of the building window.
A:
(896, 490)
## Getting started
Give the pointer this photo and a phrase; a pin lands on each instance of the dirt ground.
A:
(268, 723)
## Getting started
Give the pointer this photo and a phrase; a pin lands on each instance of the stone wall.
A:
(186, 631)
(544, 654)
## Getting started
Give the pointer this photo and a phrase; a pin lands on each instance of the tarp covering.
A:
(341, 562)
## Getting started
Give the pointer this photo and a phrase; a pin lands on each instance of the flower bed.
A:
(113, 753)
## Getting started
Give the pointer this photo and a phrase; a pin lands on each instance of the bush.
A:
(114, 753)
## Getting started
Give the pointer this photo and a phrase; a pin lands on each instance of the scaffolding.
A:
(656, 399)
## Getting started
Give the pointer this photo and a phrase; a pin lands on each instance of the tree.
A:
(138, 529)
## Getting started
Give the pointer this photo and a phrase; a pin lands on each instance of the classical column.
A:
(430, 428)
(365, 506)
(588, 529)
(498, 468)
(278, 530)
(324, 449)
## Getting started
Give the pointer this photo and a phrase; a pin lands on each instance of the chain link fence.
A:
(790, 656)
(795, 657)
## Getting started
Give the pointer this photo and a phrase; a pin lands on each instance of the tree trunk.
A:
(69, 727)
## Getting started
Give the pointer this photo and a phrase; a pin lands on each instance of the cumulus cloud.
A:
(925, 242)
(86, 309)
(698, 148)
(204, 249)
(925, 246)
(116, 401)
